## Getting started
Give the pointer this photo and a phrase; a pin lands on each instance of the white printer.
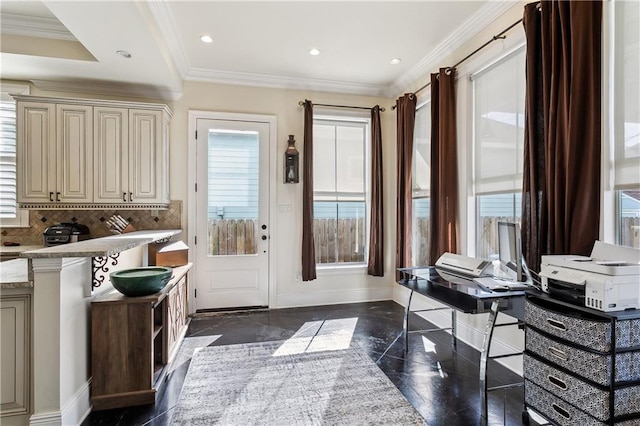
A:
(608, 280)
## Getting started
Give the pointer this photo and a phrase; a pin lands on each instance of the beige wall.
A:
(286, 243)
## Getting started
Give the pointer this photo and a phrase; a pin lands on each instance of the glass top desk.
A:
(461, 294)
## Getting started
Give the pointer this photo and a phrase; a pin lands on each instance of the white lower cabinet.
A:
(15, 356)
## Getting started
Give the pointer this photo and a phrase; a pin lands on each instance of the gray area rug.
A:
(283, 383)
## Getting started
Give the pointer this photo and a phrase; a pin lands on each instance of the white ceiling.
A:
(262, 43)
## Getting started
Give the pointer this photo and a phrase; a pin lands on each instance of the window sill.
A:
(358, 268)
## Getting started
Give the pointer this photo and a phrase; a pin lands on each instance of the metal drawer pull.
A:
(556, 324)
(558, 353)
(559, 383)
(564, 413)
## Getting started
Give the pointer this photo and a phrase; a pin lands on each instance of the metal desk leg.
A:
(484, 357)
(454, 337)
(405, 323)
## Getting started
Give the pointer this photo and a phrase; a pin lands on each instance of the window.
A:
(10, 215)
(340, 200)
(627, 121)
(421, 185)
(498, 135)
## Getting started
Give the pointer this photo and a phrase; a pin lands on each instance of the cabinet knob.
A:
(264, 237)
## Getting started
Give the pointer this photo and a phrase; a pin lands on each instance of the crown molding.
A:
(108, 88)
(161, 12)
(35, 26)
(284, 82)
(456, 39)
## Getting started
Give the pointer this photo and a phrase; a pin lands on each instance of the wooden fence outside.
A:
(339, 240)
(342, 240)
(233, 236)
(630, 235)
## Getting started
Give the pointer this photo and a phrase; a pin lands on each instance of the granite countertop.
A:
(105, 246)
(16, 250)
(14, 274)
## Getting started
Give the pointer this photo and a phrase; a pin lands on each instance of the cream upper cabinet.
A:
(131, 156)
(54, 159)
(90, 154)
(112, 154)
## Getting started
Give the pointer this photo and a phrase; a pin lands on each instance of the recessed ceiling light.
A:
(395, 61)
(124, 54)
(206, 38)
(314, 52)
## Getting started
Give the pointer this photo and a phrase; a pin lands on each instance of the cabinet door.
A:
(146, 166)
(15, 354)
(177, 311)
(74, 153)
(36, 151)
(111, 148)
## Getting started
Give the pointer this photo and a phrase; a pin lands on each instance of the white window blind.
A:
(8, 199)
(421, 176)
(10, 215)
(498, 113)
(340, 169)
(627, 93)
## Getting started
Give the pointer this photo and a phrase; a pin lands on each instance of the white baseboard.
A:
(51, 418)
(465, 332)
(78, 407)
(292, 300)
(73, 413)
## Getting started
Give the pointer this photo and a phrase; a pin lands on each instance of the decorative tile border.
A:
(40, 220)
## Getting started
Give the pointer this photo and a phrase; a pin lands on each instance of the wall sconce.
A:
(291, 161)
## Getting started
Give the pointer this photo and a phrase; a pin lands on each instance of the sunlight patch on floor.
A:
(316, 336)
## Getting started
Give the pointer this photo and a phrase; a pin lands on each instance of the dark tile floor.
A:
(440, 383)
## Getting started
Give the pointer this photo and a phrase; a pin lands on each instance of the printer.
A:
(608, 280)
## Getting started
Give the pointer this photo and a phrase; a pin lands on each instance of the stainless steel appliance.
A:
(64, 233)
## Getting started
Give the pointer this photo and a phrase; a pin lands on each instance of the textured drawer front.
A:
(579, 393)
(560, 411)
(590, 333)
(591, 366)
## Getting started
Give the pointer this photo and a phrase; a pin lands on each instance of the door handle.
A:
(264, 226)
(51, 196)
(57, 196)
(124, 197)
(131, 196)
(264, 237)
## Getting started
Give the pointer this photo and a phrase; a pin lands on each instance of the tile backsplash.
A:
(39, 220)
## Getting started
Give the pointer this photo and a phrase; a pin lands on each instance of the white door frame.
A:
(194, 115)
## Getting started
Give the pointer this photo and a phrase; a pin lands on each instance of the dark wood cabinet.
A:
(133, 341)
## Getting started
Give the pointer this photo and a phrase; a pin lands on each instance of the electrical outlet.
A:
(298, 276)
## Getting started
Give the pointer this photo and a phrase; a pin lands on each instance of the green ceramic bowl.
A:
(141, 281)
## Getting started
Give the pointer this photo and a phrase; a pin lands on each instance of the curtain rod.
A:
(500, 36)
(301, 103)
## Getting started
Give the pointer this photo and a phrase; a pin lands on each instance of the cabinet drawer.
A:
(580, 328)
(591, 366)
(581, 394)
(560, 411)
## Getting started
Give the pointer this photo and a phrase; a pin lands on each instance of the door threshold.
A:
(218, 311)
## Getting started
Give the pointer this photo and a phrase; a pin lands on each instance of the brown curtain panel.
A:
(405, 119)
(308, 246)
(444, 169)
(375, 266)
(561, 185)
